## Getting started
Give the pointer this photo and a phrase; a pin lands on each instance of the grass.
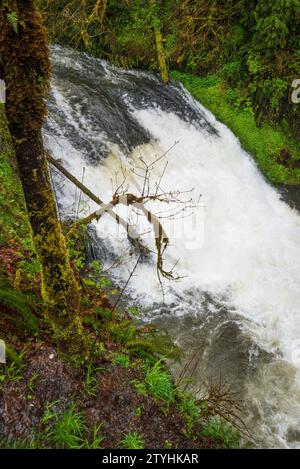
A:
(159, 383)
(121, 359)
(14, 370)
(223, 432)
(91, 382)
(96, 439)
(67, 429)
(132, 440)
(264, 143)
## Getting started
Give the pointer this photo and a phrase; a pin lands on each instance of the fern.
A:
(21, 303)
(13, 20)
(157, 343)
(152, 347)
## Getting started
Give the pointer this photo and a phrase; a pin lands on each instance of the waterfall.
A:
(236, 248)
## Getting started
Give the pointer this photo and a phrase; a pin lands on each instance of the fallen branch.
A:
(130, 231)
(161, 238)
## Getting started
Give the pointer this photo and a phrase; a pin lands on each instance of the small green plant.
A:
(32, 385)
(95, 278)
(21, 303)
(26, 443)
(102, 313)
(122, 331)
(121, 359)
(30, 267)
(189, 409)
(96, 439)
(91, 381)
(141, 388)
(159, 382)
(221, 431)
(135, 311)
(65, 430)
(13, 21)
(138, 412)
(14, 371)
(168, 444)
(188, 405)
(132, 440)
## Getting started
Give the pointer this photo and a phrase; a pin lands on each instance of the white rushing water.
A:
(241, 245)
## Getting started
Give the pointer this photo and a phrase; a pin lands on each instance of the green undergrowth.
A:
(13, 220)
(64, 425)
(264, 143)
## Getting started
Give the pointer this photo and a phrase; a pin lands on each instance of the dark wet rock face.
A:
(290, 195)
(216, 347)
(293, 434)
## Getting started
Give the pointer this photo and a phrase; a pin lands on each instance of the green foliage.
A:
(91, 382)
(153, 342)
(138, 412)
(13, 217)
(26, 443)
(159, 383)
(188, 406)
(30, 267)
(223, 432)
(32, 384)
(64, 430)
(22, 303)
(141, 388)
(93, 276)
(132, 440)
(264, 143)
(94, 442)
(246, 43)
(13, 21)
(121, 359)
(190, 410)
(134, 310)
(14, 370)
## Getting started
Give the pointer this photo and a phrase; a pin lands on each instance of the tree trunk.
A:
(25, 68)
(161, 56)
(160, 49)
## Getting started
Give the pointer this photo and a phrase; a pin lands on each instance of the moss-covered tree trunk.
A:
(159, 41)
(164, 73)
(25, 68)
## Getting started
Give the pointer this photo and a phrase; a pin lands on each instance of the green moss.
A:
(14, 224)
(264, 143)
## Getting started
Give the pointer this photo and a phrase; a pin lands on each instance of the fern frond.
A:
(13, 20)
(21, 303)
(158, 344)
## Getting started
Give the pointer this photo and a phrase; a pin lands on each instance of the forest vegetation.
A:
(239, 58)
(81, 372)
